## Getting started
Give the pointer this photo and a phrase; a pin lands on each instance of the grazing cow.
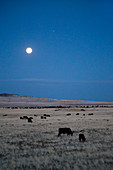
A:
(68, 114)
(43, 117)
(82, 138)
(25, 117)
(35, 115)
(5, 115)
(67, 131)
(30, 119)
(46, 115)
(82, 109)
(77, 113)
(90, 114)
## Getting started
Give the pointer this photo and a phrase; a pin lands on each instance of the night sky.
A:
(72, 43)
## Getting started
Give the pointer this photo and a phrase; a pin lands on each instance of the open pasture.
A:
(36, 145)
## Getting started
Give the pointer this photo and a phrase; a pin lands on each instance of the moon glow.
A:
(29, 50)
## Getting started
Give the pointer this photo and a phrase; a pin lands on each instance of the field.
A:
(36, 145)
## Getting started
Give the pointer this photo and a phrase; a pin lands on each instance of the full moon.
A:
(29, 50)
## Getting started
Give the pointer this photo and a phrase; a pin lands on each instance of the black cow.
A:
(82, 138)
(68, 114)
(46, 115)
(24, 117)
(43, 117)
(90, 114)
(30, 119)
(67, 131)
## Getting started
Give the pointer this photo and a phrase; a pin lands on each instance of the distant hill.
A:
(14, 100)
(8, 95)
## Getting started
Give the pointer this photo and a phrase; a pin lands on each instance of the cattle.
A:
(77, 113)
(30, 119)
(82, 109)
(46, 115)
(90, 114)
(68, 114)
(25, 117)
(5, 115)
(67, 131)
(82, 137)
(43, 117)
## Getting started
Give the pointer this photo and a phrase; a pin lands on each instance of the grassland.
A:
(36, 145)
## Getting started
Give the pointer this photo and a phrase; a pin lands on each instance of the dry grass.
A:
(35, 145)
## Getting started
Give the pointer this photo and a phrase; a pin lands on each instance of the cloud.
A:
(56, 81)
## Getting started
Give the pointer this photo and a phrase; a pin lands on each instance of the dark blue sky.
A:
(72, 42)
